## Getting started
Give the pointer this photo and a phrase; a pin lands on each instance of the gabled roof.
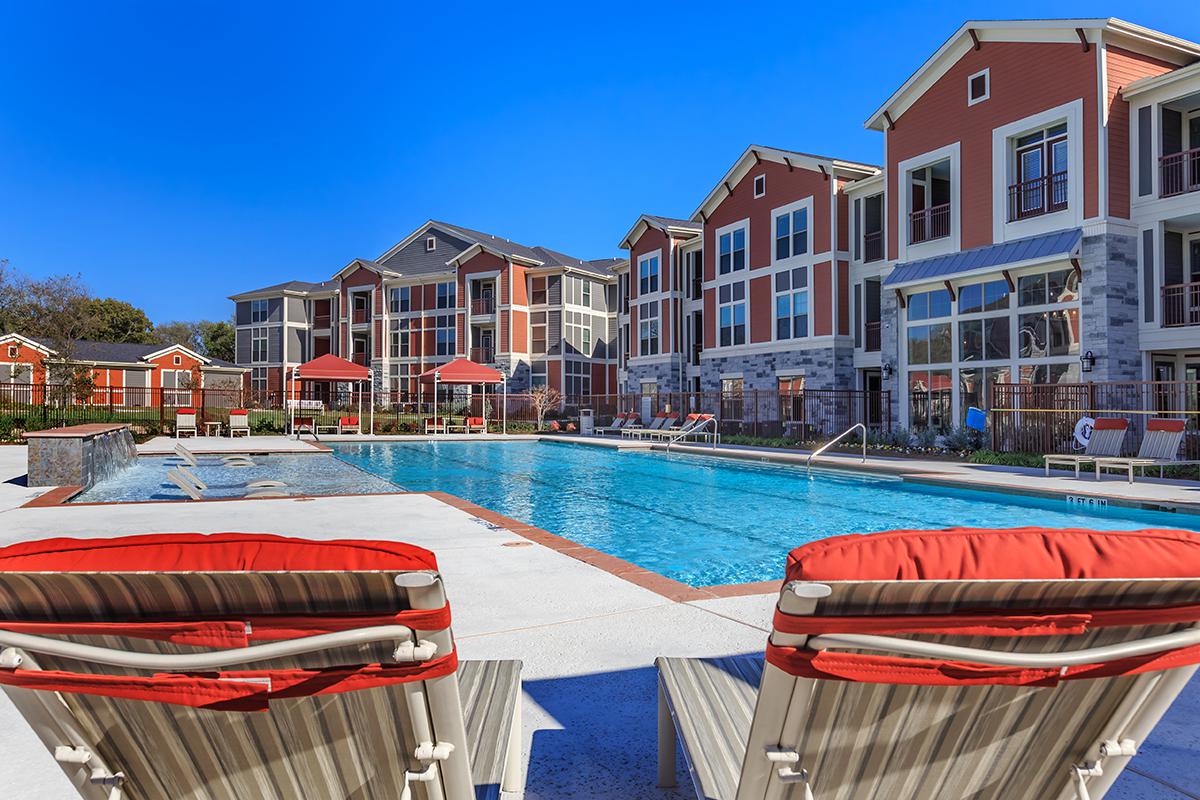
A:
(25, 340)
(755, 153)
(1157, 81)
(287, 287)
(679, 228)
(989, 258)
(536, 256)
(85, 350)
(1127, 34)
(365, 263)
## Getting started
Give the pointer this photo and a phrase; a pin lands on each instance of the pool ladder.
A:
(694, 430)
(833, 441)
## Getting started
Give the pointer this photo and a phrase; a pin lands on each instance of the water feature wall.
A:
(79, 455)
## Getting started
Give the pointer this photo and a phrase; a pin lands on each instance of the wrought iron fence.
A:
(1041, 418)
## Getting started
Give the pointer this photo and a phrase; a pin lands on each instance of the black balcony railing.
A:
(1036, 197)
(483, 355)
(483, 305)
(873, 337)
(1181, 305)
(872, 245)
(929, 224)
(1179, 173)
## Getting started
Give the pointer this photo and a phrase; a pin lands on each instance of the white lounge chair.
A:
(619, 422)
(1159, 448)
(194, 488)
(1108, 434)
(185, 422)
(297, 669)
(239, 422)
(231, 460)
(1023, 664)
(661, 422)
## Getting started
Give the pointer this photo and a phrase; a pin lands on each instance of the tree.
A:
(544, 398)
(55, 311)
(118, 321)
(218, 339)
(182, 333)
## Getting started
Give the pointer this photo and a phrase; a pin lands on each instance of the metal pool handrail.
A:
(692, 430)
(833, 441)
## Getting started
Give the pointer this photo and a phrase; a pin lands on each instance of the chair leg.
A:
(666, 742)
(512, 780)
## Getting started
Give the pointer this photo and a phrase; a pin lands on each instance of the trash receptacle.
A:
(586, 425)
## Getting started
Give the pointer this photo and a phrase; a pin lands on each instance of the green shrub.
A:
(1006, 459)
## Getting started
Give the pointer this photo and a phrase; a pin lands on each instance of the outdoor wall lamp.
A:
(1087, 361)
(886, 371)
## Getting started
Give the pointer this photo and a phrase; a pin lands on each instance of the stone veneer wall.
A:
(665, 373)
(1109, 306)
(78, 455)
(889, 349)
(823, 368)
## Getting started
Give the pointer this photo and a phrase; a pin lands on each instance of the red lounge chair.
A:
(348, 425)
(435, 426)
(476, 425)
(184, 665)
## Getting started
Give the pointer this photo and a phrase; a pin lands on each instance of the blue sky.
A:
(220, 147)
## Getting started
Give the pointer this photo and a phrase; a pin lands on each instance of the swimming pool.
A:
(146, 478)
(704, 520)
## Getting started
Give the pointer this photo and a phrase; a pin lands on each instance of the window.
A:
(791, 303)
(976, 297)
(760, 185)
(177, 360)
(648, 329)
(791, 385)
(260, 311)
(401, 300)
(930, 343)
(578, 378)
(430, 244)
(731, 303)
(258, 379)
(446, 295)
(258, 345)
(979, 87)
(445, 334)
(983, 339)
(649, 387)
(647, 274)
(537, 291)
(931, 399)
(13, 351)
(929, 202)
(579, 332)
(1041, 161)
(732, 251)
(537, 373)
(791, 233)
(1047, 288)
(537, 333)
(695, 270)
(400, 344)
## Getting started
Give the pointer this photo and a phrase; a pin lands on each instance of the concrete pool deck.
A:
(587, 637)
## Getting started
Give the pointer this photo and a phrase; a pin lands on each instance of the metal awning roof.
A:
(1030, 250)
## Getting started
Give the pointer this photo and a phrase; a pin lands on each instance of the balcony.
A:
(1181, 305)
(1179, 173)
(872, 246)
(928, 224)
(360, 315)
(360, 359)
(697, 349)
(482, 306)
(321, 321)
(1036, 197)
(872, 337)
(483, 355)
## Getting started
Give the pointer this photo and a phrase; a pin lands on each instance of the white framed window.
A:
(446, 295)
(400, 343)
(258, 345)
(537, 333)
(260, 311)
(1037, 173)
(258, 379)
(177, 360)
(648, 273)
(430, 244)
(648, 329)
(400, 300)
(929, 208)
(733, 248)
(791, 303)
(445, 334)
(649, 387)
(13, 351)
(578, 378)
(586, 293)
(1040, 160)
(760, 186)
(791, 230)
(731, 310)
(979, 87)
(537, 373)
(537, 291)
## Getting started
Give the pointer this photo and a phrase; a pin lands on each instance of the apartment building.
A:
(1036, 220)
(443, 292)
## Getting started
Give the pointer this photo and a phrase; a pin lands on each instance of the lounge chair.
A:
(273, 668)
(195, 489)
(476, 425)
(661, 421)
(239, 422)
(435, 426)
(693, 424)
(1159, 448)
(304, 425)
(348, 425)
(1108, 434)
(185, 422)
(1033, 665)
(618, 423)
(232, 460)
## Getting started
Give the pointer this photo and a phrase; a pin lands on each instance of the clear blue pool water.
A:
(146, 479)
(703, 520)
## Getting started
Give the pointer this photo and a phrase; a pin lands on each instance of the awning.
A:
(462, 371)
(331, 368)
(989, 258)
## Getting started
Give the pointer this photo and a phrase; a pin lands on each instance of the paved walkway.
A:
(588, 639)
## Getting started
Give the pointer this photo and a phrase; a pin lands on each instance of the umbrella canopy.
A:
(331, 368)
(462, 371)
